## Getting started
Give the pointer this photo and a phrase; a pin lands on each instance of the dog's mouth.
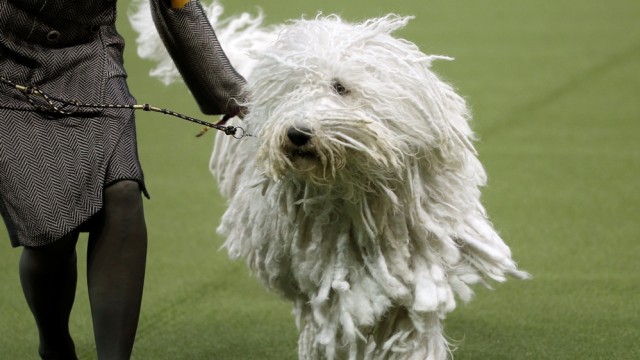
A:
(293, 154)
(302, 158)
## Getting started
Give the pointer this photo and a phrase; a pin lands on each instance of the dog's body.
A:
(357, 197)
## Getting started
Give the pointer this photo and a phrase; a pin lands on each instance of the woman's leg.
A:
(115, 270)
(48, 275)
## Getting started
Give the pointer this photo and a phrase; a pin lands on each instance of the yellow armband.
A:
(178, 4)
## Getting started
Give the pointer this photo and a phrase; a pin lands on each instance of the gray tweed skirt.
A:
(54, 168)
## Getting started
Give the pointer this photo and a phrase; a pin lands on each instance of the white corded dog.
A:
(357, 198)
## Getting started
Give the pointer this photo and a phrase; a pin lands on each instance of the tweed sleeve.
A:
(192, 44)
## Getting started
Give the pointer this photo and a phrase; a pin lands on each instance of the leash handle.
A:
(29, 91)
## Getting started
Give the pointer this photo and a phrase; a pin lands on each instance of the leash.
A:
(65, 107)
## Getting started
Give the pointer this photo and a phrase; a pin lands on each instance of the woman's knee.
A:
(66, 245)
(61, 252)
(123, 206)
(123, 193)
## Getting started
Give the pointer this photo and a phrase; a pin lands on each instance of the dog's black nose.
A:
(299, 135)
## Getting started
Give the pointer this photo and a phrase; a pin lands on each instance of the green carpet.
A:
(554, 87)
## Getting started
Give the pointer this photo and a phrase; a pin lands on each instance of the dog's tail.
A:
(239, 36)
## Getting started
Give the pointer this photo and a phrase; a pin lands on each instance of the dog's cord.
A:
(66, 107)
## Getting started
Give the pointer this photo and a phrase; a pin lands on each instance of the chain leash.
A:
(65, 107)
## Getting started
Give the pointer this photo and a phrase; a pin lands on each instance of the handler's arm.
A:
(194, 48)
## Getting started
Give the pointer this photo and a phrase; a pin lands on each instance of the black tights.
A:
(116, 258)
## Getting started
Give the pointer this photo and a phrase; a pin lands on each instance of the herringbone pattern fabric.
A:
(53, 168)
(194, 48)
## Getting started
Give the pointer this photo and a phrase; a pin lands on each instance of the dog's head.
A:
(334, 102)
